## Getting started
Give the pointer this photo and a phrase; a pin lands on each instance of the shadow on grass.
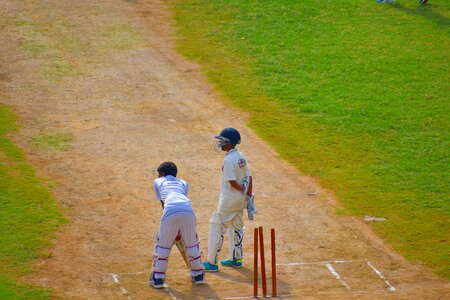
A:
(427, 12)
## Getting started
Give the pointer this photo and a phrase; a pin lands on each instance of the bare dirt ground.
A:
(140, 107)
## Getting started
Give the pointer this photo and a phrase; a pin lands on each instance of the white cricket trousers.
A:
(231, 221)
(184, 222)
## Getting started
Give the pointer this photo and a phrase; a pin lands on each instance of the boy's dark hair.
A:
(168, 168)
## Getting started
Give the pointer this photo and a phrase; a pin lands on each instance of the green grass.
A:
(353, 92)
(28, 216)
(53, 141)
(10, 289)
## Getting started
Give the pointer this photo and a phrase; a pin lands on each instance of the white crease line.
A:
(251, 297)
(319, 262)
(338, 277)
(171, 294)
(390, 286)
(132, 273)
(116, 279)
(124, 291)
(374, 291)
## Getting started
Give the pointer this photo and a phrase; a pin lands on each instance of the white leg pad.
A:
(160, 261)
(215, 238)
(195, 259)
(235, 243)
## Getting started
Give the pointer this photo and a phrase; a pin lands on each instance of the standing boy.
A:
(235, 195)
(178, 217)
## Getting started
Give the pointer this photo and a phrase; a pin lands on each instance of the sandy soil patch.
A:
(130, 110)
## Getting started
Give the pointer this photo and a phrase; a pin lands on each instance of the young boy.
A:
(235, 195)
(178, 217)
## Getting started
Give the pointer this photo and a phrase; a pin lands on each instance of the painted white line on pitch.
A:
(172, 295)
(132, 273)
(390, 286)
(319, 262)
(336, 274)
(353, 291)
(251, 297)
(124, 291)
(115, 277)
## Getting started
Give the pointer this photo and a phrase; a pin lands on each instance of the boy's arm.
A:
(187, 187)
(248, 173)
(250, 186)
(156, 189)
(157, 193)
(237, 185)
(241, 187)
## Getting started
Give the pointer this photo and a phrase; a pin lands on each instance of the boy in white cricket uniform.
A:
(235, 196)
(178, 216)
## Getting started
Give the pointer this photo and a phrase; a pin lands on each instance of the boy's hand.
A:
(245, 183)
(251, 208)
(244, 187)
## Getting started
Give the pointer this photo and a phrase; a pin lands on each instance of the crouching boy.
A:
(178, 221)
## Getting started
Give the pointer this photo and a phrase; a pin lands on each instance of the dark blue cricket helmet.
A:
(230, 135)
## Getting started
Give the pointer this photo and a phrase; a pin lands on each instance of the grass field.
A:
(28, 216)
(352, 92)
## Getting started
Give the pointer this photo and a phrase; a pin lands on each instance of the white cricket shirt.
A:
(235, 167)
(173, 192)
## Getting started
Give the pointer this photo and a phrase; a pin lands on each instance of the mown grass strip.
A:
(352, 92)
(28, 216)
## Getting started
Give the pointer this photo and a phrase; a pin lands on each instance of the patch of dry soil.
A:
(149, 105)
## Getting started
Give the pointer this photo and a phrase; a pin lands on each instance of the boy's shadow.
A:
(246, 276)
(426, 12)
(204, 291)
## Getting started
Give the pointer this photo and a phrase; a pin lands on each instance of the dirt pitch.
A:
(131, 110)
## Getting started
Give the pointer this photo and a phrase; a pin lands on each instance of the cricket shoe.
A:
(210, 268)
(198, 279)
(157, 283)
(231, 263)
